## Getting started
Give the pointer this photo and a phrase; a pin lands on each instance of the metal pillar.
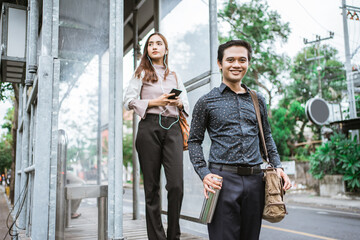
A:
(319, 70)
(24, 158)
(215, 74)
(32, 44)
(30, 174)
(54, 149)
(135, 159)
(60, 203)
(102, 218)
(157, 16)
(115, 161)
(33, 26)
(18, 161)
(32, 31)
(100, 201)
(99, 143)
(350, 83)
(41, 225)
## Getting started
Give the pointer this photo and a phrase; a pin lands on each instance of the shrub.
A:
(340, 155)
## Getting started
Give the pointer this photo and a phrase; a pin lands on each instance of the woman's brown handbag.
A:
(274, 209)
(185, 129)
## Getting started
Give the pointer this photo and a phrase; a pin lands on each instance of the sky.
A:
(307, 18)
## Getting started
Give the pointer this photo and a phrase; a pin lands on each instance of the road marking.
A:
(326, 210)
(323, 213)
(297, 232)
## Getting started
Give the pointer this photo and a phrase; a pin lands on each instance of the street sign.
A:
(317, 111)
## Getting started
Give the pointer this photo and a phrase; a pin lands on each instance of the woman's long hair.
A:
(145, 64)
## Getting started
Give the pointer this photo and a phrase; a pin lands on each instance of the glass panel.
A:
(189, 46)
(83, 87)
(189, 56)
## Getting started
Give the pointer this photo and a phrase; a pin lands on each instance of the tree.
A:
(304, 86)
(6, 141)
(80, 126)
(289, 119)
(13, 89)
(4, 89)
(283, 124)
(254, 22)
(305, 76)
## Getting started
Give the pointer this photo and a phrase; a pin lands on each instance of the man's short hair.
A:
(240, 43)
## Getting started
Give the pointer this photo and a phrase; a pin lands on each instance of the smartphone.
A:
(176, 91)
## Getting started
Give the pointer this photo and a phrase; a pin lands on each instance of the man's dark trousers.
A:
(239, 208)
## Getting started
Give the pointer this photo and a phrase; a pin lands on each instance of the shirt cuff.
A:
(139, 106)
(203, 172)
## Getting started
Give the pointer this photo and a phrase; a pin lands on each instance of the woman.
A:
(159, 139)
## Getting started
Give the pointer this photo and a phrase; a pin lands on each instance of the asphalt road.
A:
(301, 223)
(313, 223)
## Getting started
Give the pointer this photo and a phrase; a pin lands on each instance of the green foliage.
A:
(305, 76)
(357, 104)
(283, 123)
(304, 85)
(254, 22)
(340, 155)
(127, 149)
(5, 87)
(281, 130)
(6, 156)
(302, 153)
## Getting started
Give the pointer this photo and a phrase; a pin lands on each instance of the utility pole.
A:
(318, 57)
(350, 83)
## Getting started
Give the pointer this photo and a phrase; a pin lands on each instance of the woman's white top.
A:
(139, 93)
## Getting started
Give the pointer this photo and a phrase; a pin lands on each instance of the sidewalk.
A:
(296, 197)
(4, 212)
(309, 198)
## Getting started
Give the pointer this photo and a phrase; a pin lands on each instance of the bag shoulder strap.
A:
(177, 83)
(258, 116)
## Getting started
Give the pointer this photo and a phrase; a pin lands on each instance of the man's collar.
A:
(223, 86)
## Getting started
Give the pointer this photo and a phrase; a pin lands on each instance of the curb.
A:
(339, 202)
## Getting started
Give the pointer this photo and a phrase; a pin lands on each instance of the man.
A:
(228, 113)
(73, 179)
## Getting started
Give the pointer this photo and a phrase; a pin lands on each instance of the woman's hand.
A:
(161, 101)
(176, 102)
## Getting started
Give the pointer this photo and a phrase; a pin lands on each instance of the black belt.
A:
(241, 170)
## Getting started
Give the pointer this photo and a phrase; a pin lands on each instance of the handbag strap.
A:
(258, 116)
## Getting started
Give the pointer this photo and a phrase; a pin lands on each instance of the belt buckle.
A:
(244, 171)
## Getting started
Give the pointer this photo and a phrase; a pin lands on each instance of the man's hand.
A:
(209, 182)
(284, 176)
